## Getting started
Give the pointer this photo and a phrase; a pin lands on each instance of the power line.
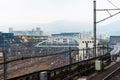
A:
(108, 11)
(113, 4)
(108, 17)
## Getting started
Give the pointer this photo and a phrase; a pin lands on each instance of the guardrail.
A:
(87, 53)
(67, 72)
(76, 66)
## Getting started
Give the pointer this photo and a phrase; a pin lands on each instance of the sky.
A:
(17, 12)
(42, 11)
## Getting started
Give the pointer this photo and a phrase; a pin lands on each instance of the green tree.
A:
(104, 42)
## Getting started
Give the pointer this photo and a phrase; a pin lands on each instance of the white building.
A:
(72, 39)
(78, 40)
(86, 44)
(36, 32)
(34, 35)
(83, 41)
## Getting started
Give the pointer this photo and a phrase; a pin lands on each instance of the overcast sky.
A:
(46, 11)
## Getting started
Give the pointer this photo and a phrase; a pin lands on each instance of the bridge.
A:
(46, 43)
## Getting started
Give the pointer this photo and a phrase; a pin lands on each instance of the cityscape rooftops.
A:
(114, 39)
(66, 34)
(38, 32)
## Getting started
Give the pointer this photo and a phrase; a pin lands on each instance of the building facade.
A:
(37, 32)
(36, 35)
(6, 38)
(71, 38)
(114, 40)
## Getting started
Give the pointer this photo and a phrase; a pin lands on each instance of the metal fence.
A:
(68, 72)
(61, 60)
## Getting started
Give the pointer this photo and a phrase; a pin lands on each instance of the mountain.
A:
(65, 26)
(61, 26)
(112, 28)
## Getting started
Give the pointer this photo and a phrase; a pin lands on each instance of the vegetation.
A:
(104, 42)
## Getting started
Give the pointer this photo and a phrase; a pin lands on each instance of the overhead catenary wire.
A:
(108, 11)
(113, 4)
(108, 17)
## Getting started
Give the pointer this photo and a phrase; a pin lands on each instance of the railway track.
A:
(18, 68)
(114, 75)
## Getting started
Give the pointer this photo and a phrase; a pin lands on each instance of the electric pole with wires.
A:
(95, 22)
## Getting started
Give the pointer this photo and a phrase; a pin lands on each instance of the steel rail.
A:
(111, 74)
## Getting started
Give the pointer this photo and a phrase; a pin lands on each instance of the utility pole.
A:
(70, 58)
(4, 56)
(94, 24)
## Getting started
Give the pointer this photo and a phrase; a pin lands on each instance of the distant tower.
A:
(10, 30)
(38, 29)
(33, 30)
